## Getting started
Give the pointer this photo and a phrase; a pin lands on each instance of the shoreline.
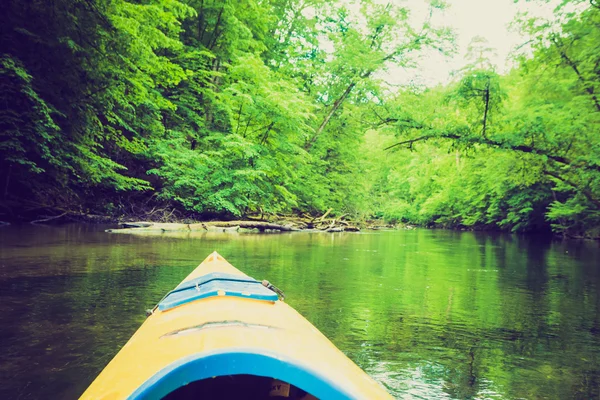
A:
(254, 224)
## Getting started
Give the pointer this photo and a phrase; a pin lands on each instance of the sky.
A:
(489, 19)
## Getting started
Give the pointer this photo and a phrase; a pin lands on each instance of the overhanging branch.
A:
(496, 144)
(587, 193)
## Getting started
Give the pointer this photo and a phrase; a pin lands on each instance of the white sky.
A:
(469, 18)
(489, 19)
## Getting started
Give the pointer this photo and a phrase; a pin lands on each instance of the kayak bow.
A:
(222, 334)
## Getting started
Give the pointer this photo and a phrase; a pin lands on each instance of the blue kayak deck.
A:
(216, 284)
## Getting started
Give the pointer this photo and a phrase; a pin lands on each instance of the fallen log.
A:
(260, 225)
(130, 227)
(136, 224)
(330, 225)
(155, 227)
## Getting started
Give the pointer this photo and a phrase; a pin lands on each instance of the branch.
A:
(266, 134)
(216, 32)
(382, 121)
(422, 138)
(325, 121)
(493, 143)
(239, 118)
(487, 106)
(386, 121)
(366, 74)
(588, 194)
(37, 221)
(588, 88)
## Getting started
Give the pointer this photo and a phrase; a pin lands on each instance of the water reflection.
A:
(430, 314)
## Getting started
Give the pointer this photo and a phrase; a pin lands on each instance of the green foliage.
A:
(518, 152)
(27, 129)
(237, 107)
(87, 83)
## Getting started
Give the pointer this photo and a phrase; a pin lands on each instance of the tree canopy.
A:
(221, 107)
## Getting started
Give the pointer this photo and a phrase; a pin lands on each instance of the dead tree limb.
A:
(251, 225)
(322, 217)
(39, 221)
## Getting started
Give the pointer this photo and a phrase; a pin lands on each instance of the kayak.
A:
(221, 334)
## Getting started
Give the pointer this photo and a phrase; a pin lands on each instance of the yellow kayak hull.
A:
(229, 335)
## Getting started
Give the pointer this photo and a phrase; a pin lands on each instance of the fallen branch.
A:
(38, 221)
(136, 224)
(322, 217)
(330, 225)
(251, 225)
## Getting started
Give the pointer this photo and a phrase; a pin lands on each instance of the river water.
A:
(427, 313)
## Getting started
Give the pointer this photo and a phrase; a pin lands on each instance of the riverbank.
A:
(171, 218)
(176, 220)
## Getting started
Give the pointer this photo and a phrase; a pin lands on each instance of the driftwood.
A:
(325, 215)
(262, 222)
(39, 221)
(251, 225)
(292, 224)
(73, 216)
(304, 222)
(131, 227)
(136, 224)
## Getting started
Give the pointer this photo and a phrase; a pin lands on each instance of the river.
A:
(427, 313)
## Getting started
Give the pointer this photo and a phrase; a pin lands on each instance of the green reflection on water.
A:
(430, 314)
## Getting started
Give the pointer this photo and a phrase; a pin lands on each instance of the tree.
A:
(550, 122)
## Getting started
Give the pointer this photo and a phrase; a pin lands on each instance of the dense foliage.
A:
(276, 106)
(518, 152)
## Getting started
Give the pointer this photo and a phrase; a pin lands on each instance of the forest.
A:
(208, 109)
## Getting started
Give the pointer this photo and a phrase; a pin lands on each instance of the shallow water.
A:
(429, 314)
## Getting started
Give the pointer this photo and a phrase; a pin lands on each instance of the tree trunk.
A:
(327, 118)
(487, 107)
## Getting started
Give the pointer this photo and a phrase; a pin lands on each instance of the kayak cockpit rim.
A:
(239, 361)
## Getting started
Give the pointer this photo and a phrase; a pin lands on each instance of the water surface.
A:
(428, 314)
